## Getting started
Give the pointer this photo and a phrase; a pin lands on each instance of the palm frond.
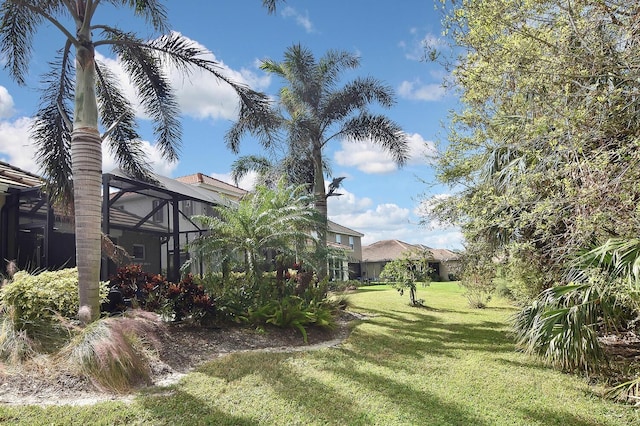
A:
(248, 163)
(620, 257)
(117, 113)
(332, 64)
(561, 326)
(144, 69)
(380, 130)
(19, 25)
(51, 131)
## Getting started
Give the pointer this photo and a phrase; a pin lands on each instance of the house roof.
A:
(14, 177)
(388, 250)
(200, 179)
(339, 229)
(123, 219)
(165, 188)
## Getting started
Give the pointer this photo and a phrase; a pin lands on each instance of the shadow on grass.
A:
(182, 408)
(549, 417)
(331, 402)
(315, 401)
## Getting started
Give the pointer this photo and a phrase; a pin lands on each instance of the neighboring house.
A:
(167, 204)
(224, 189)
(171, 203)
(378, 254)
(350, 242)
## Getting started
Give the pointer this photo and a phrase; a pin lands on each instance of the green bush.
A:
(34, 299)
(293, 312)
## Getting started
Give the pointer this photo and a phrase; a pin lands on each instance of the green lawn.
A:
(441, 365)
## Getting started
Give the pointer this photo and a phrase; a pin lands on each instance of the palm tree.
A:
(278, 219)
(70, 149)
(316, 110)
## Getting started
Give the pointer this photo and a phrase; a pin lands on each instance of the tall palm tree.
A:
(70, 148)
(316, 109)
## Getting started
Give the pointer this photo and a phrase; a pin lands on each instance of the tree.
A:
(315, 110)
(405, 272)
(545, 143)
(280, 219)
(68, 138)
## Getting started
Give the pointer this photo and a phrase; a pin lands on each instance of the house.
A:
(350, 242)
(170, 204)
(37, 234)
(378, 254)
(150, 220)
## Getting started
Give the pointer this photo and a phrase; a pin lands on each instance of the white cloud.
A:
(158, 164)
(389, 221)
(366, 156)
(302, 20)
(15, 146)
(421, 151)
(416, 90)
(6, 103)
(371, 158)
(248, 182)
(417, 48)
(347, 203)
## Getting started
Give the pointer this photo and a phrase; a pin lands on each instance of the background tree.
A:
(68, 138)
(545, 147)
(404, 273)
(315, 109)
(545, 144)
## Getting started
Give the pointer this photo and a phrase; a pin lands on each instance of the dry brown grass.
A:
(115, 353)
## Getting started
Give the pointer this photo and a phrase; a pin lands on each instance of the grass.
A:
(444, 364)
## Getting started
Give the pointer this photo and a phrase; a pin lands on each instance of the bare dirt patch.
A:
(181, 348)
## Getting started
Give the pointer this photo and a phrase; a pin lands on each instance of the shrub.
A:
(15, 345)
(292, 311)
(132, 287)
(189, 299)
(114, 353)
(38, 299)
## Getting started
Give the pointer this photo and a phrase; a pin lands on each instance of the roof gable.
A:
(388, 250)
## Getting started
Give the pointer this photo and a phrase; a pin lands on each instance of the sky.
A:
(379, 199)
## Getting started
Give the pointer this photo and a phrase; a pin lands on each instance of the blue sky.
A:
(380, 200)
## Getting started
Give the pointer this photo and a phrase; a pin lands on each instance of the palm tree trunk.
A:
(320, 198)
(86, 160)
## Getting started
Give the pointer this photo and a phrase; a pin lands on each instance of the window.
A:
(187, 208)
(351, 242)
(138, 252)
(158, 216)
(338, 238)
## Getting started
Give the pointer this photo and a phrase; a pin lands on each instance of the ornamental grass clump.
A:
(115, 352)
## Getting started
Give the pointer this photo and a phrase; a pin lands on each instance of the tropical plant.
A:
(68, 138)
(281, 220)
(405, 272)
(316, 110)
(293, 312)
(562, 325)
